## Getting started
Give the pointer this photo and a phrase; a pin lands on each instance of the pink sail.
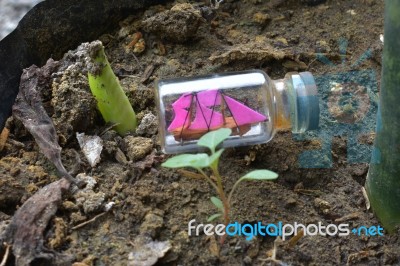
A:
(182, 117)
(206, 118)
(184, 101)
(242, 114)
(209, 98)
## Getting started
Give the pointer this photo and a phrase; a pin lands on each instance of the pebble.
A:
(261, 18)
(137, 147)
(148, 126)
(86, 198)
(152, 224)
(290, 203)
(322, 205)
(323, 46)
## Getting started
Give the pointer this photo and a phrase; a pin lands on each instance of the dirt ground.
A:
(154, 203)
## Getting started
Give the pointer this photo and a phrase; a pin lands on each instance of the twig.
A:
(293, 241)
(87, 222)
(6, 254)
(272, 258)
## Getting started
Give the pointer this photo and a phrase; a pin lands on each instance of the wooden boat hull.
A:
(184, 133)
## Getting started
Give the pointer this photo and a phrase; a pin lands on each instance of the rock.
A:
(91, 147)
(74, 106)
(322, 205)
(137, 147)
(322, 47)
(148, 126)
(290, 203)
(146, 252)
(86, 198)
(261, 18)
(70, 206)
(77, 217)
(152, 224)
(177, 25)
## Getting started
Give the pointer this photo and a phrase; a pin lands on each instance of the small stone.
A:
(148, 126)
(139, 47)
(290, 203)
(137, 147)
(322, 205)
(93, 202)
(86, 198)
(70, 206)
(120, 157)
(147, 252)
(281, 41)
(152, 224)
(91, 147)
(77, 217)
(323, 46)
(261, 18)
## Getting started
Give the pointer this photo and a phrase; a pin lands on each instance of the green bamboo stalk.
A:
(112, 102)
(383, 180)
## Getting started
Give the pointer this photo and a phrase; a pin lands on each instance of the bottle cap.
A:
(304, 102)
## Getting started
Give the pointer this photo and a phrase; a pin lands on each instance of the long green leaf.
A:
(213, 138)
(198, 161)
(260, 175)
(218, 203)
(213, 217)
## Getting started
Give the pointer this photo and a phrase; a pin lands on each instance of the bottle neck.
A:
(282, 105)
(296, 102)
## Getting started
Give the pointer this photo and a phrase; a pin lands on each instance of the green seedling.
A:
(201, 161)
(112, 102)
(383, 179)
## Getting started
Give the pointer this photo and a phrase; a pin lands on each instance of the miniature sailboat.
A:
(206, 118)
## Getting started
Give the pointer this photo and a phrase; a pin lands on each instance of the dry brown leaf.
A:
(29, 110)
(25, 232)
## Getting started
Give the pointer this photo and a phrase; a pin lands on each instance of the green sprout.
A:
(383, 179)
(112, 102)
(201, 161)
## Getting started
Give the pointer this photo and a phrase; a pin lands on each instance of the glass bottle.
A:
(254, 106)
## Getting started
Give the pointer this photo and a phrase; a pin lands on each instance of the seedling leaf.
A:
(260, 175)
(197, 161)
(213, 138)
(218, 203)
(214, 158)
(213, 217)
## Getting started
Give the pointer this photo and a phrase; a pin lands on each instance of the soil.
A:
(152, 203)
